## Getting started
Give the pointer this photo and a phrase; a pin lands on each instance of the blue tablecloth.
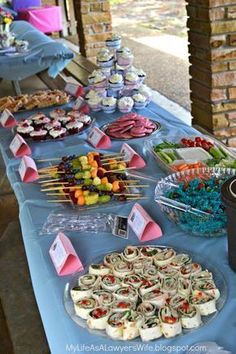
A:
(44, 53)
(63, 334)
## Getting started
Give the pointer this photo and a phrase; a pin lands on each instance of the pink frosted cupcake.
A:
(57, 133)
(39, 134)
(124, 56)
(125, 104)
(74, 126)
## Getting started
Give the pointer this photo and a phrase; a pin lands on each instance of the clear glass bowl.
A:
(184, 215)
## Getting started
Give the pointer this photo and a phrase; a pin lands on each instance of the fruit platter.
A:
(192, 200)
(131, 126)
(90, 180)
(145, 293)
(58, 124)
(179, 154)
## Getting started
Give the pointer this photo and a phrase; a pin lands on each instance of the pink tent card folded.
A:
(98, 139)
(19, 147)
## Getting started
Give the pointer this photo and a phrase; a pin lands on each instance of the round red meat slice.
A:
(140, 130)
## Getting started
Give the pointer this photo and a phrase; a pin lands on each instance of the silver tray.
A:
(157, 128)
(218, 278)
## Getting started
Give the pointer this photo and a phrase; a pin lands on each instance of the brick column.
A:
(212, 48)
(94, 25)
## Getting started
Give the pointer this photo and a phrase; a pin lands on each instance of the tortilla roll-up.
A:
(167, 271)
(89, 280)
(150, 272)
(103, 297)
(206, 304)
(207, 286)
(164, 257)
(188, 270)
(149, 252)
(184, 287)
(155, 297)
(98, 269)
(170, 322)
(97, 318)
(133, 280)
(177, 301)
(79, 292)
(204, 274)
(150, 329)
(83, 307)
(122, 269)
(149, 285)
(179, 260)
(169, 285)
(122, 305)
(111, 259)
(189, 316)
(147, 309)
(126, 293)
(131, 325)
(139, 265)
(115, 324)
(131, 254)
(110, 282)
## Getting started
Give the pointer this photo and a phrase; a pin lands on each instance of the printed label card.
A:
(19, 147)
(64, 257)
(28, 170)
(135, 160)
(143, 225)
(7, 119)
(74, 89)
(98, 139)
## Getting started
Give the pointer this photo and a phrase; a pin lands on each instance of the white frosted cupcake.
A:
(38, 134)
(24, 122)
(125, 104)
(141, 74)
(42, 121)
(95, 103)
(85, 119)
(24, 130)
(124, 56)
(131, 79)
(93, 93)
(57, 133)
(93, 75)
(64, 120)
(109, 104)
(140, 101)
(146, 91)
(99, 81)
(114, 41)
(105, 58)
(74, 126)
(116, 82)
(53, 124)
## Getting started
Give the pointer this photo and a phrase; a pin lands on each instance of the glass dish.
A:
(176, 139)
(180, 213)
(218, 278)
(156, 130)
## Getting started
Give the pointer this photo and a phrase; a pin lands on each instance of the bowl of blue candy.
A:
(192, 200)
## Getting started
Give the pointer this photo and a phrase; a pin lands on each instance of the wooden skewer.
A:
(114, 154)
(110, 158)
(49, 180)
(59, 188)
(105, 164)
(121, 171)
(138, 185)
(54, 184)
(58, 194)
(60, 201)
(48, 168)
(135, 198)
(51, 159)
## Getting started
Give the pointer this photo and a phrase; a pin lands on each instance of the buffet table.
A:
(62, 333)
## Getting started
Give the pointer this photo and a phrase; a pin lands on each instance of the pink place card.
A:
(7, 119)
(98, 139)
(28, 170)
(143, 225)
(19, 147)
(74, 89)
(64, 257)
(135, 160)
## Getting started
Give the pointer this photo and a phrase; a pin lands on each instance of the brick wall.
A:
(94, 25)
(212, 48)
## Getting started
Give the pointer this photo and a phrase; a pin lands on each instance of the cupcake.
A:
(85, 119)
(92, 75)
(95, 103)
(105, 58)
(124, 56)
(56, 113)
(125, 104)
(109, 104)
(36, 116)
(53, 124)
(116, 82)
(64, 120)
(121, 69)
(141, 75)
(42, 121)
(39, 134)
(140, 101)
(25, 122)
(99, 81)
(24, 130)
(131, 79)
(74, 114)
(93, 93)
(74, 126)
(57, 133)
(146, 91)
(114, 41)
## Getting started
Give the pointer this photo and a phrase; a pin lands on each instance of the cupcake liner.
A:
(125, 110)
(124, 61)
(140, 105)
(115, 44)
(105, 64)
(109, 109)
(116, 87)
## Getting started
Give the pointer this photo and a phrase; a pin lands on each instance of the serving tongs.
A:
(181, 206)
